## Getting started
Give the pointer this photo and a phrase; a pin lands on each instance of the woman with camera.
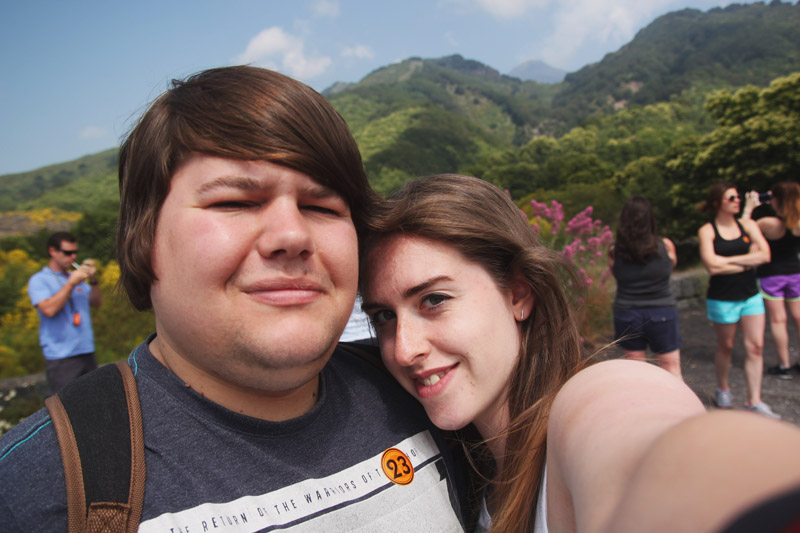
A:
(779, 280)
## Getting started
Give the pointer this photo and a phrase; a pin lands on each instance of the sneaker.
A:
(762, 409)
(780, 372)
(724, 399)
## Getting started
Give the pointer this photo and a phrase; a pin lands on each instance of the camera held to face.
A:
(765, 197)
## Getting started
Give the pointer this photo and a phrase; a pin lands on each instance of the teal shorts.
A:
(724, 312)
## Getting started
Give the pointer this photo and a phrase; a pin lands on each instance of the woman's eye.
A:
(381, 317)
(434, 300)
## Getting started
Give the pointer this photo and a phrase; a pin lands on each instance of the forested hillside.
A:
(422, 116)
(732, 46)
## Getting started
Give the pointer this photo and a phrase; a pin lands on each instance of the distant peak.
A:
(538, 70)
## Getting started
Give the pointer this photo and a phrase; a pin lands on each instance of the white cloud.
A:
(451, 39)
(326, 8)
(93, 132)
(506, 9)
(276, 49)
(576, 25)
(359, 51)
(605, 24)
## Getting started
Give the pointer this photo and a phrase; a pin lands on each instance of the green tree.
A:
(95, 232)
(757, 142)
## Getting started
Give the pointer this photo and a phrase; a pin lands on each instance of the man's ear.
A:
(522, 299)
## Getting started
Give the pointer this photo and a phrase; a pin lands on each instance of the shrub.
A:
(583, 240)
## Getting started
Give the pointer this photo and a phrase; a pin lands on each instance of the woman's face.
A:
(447, 333)
(731, 202)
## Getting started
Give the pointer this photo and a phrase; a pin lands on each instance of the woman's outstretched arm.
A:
(707, 470)
(603, 421)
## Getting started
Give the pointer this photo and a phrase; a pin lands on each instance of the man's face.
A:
(256, 268)
(65, 254)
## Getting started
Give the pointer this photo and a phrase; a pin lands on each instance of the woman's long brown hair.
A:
(484, 225)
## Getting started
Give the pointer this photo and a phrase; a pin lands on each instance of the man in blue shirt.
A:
(62, 297)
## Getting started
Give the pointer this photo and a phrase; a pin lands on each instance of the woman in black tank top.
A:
(779, 280)
(730, 251)
(645, 314)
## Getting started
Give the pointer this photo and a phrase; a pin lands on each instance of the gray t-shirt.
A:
(331, 469)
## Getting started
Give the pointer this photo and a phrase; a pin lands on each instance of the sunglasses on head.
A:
(733, 198)
(69, 252)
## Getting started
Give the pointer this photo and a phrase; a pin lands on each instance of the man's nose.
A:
(285, 231)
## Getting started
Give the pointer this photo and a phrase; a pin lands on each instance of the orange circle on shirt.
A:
(397, 467)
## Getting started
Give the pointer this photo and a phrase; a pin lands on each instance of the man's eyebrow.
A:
(318, 190)
(234, 182)
(411, 291)
(246, 183)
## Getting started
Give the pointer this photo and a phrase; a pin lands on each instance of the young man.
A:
(242, 195)
(62, 295)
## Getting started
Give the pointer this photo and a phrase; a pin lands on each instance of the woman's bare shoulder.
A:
(615, 396)
(773, 228)
(616, 379)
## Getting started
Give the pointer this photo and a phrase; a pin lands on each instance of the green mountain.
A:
(79, 185)
(423, 116)
(723, 47)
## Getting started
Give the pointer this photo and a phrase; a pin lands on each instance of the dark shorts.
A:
(656, 327)
(59, 372)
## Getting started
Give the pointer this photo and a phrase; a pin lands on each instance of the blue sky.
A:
(74, 75)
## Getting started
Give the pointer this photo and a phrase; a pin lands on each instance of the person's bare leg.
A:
(794, 311)
(671, 362)
(722, 357)
(753, 336)
(777, 325)
(635, 355)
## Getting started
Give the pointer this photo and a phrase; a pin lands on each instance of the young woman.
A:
(730, 250)
(779, 280)
(473, 320)
(645, 313)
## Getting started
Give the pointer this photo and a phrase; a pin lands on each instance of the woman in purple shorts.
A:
(779, 280)
(730, 250)
(645, 313)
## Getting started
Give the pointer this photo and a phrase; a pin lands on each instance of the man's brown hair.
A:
(242, 113)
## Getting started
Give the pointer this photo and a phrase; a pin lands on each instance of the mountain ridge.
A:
(422, 116)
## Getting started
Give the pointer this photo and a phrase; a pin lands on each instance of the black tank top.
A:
(732, 287)
(784, 257)
(644, 285)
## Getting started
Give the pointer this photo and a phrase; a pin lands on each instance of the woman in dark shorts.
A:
(645, 313)
(779, 280)
(730, 250)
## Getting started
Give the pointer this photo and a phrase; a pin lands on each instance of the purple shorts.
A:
(780, 287)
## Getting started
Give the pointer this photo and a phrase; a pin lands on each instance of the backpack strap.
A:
(98, 422)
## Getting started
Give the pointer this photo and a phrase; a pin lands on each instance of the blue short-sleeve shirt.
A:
(59, 337)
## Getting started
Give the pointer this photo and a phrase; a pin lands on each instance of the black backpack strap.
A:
(98, 422)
